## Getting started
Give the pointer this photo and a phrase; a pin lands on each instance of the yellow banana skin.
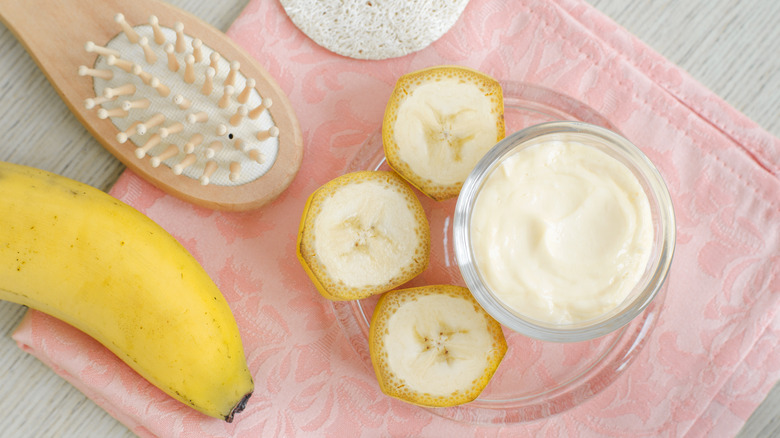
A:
(82, 256)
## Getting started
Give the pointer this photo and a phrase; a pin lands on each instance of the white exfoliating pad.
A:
(374, 29)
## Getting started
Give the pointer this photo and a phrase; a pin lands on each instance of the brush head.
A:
(173, 98)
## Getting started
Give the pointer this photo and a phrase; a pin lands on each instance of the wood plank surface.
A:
(731, 46)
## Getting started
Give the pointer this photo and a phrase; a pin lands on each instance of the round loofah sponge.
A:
(374, 29)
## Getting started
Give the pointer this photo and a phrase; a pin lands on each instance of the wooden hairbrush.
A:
(170, 96)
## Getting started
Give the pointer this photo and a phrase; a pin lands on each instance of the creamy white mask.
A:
(561, 232)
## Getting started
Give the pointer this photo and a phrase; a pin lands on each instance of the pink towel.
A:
(708, 362)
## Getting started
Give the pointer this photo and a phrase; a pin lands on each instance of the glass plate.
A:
(535, 379)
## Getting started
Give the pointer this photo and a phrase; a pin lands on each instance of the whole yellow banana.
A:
(82, 256)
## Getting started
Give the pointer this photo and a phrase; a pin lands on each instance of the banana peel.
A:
(82, 256)
(434, 345)
(362, 234)
(438, 123)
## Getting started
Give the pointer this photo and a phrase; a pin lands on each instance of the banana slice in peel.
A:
(362, 234)
(434, 345)
(438, 124)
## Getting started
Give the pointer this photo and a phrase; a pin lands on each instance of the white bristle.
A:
(159, 36)
(235, 66)
(116, 61)
(91, 47)
(273, 131)
(211, 167)
(235, 171)
(221, 130)
(189, 69)
(132, 36)
(199, 117)
(208, 82)
(256, 156)
(144, 76)
(265, 104)
(241, 112)
(122, 90)
(149, 54)
(173, 128)
(173, 63)
(213, 148)
(197, 49)
(113, 112)
(180, 40)
(244, 96)
(96, 73)
(182, 102)
(186, 162)
(161, 88)
(122, 137)
(224, 101)
(153, 121)
(92, 102)
(153, 141)
(215, 57)
(170, 152)
(127, 105)
(193, 142)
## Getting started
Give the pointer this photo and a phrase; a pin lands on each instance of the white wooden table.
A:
(732, 46)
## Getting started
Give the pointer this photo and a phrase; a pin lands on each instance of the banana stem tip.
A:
(239, 407)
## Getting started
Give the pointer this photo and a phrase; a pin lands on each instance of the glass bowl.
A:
(536, 379)
(661, 211)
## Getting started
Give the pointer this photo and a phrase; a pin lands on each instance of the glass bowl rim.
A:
(658, 195)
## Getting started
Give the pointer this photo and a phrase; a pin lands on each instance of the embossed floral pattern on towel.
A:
(711, 358)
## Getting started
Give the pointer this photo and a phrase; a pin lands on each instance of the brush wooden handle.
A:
(54, 33)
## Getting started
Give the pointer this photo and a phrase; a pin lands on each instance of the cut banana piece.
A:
(362, 234)
(438, 124)
(434, 345)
